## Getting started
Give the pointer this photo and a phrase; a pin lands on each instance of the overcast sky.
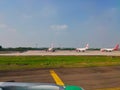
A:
(65, 23)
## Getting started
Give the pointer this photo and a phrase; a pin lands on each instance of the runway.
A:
(43, 53)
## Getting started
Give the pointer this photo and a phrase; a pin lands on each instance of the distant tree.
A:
(0, 47)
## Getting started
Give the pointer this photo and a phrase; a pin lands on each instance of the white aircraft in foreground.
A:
(110, 49)
(51, 49)
(35, 86)
(82, 49)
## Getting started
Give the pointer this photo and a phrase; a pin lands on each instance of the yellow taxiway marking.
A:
(56, 78)
(109, 89)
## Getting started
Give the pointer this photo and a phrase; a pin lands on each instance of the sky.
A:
(63, 23)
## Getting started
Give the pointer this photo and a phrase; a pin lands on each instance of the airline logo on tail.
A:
(82, 49)
(110, 49)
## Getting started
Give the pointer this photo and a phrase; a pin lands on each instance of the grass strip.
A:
(35, 62)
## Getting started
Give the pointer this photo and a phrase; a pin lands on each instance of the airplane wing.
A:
(28, 86)
(35, 86)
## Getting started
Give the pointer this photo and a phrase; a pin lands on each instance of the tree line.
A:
(43, 48)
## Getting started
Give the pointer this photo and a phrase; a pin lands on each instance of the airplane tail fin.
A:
(87, 46)
(52, 45)
(116, 47)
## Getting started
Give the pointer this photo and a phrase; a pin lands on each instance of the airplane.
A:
(110, 49)
(51, 49)
(82, 49)
(35, 86)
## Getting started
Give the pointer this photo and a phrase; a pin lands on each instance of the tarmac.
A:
(92, 78)
(43, 53)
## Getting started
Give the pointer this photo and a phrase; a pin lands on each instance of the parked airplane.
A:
(51, 49)
(82, 49)
(110, 49)
(35, 86)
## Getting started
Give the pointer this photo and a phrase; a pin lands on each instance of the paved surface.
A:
(89, 78)
(42, 53)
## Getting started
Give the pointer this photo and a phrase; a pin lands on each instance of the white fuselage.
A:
(107, 49)
(81, 49)
(110, 49)
(50, 50)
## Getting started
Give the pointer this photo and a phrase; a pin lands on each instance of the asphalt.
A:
(89, 78)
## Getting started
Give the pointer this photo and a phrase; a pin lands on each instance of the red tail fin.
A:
(116, 47)
(87, 46)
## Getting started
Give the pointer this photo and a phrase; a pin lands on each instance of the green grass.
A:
(34, 62)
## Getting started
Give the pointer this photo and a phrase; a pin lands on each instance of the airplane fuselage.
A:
(51, 50)
(80, 49)
(107, 49)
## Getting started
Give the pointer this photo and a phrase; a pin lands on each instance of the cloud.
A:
(59, 27)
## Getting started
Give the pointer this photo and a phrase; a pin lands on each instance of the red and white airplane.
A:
(51, 49)
(110, 49)
(82, 49)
